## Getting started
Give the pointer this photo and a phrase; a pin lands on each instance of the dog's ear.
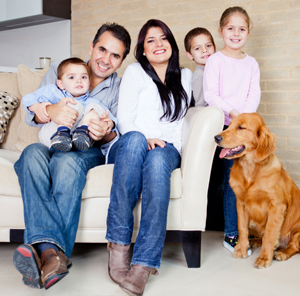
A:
(266, 143)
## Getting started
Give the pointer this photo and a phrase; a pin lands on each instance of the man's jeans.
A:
(138, 169)
(51, 186)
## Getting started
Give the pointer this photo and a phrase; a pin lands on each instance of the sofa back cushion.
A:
(29, 81)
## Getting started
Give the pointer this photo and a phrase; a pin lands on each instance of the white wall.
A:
(26, 45)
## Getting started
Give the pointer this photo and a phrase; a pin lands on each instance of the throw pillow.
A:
(8, 104)
(29, 81)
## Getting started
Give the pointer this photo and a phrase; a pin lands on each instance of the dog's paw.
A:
(282, 255)
(255, 242)
(240, 251)
(262, 262)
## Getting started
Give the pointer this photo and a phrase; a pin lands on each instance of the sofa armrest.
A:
(200, 126)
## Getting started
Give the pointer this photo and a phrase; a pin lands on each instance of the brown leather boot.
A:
(118, 261)
(54, 267)
(135, 282)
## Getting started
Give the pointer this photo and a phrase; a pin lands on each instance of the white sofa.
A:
(189, 184)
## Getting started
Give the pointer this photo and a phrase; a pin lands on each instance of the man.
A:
(52, 183)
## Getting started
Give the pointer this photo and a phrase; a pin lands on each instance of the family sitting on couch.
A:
(147, 108)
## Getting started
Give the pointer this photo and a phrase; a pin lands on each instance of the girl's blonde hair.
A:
(230, 11)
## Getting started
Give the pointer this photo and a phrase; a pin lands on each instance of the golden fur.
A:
(267, 199)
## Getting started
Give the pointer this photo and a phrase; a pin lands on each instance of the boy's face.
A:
(201, 49)
(75, 80)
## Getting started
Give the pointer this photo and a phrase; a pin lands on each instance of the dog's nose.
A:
(218, 139)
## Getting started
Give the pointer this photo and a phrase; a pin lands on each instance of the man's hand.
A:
(97, 129)
(105, 118)
(62, 114)
(40, 112)
(155, 142)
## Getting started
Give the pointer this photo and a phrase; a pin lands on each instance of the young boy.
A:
(72, 83)
(199, 45)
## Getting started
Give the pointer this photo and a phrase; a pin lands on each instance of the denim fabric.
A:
(51, 186)
(229, 202)
(138, 169)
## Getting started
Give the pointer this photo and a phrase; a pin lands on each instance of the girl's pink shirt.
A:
(230, 83)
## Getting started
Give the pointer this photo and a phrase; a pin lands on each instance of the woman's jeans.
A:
(51, 186)
(139, 169)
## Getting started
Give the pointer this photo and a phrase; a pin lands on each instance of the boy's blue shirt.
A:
(53, 94)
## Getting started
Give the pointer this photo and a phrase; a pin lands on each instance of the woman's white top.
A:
(140, 107)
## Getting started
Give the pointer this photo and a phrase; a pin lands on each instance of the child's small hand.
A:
(233, 113)
(110, 124)
(40, 111)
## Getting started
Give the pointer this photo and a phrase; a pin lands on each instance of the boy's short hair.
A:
(62, 66)
(194, 33)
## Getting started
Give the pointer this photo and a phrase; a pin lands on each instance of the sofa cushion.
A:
(9, 83)
(98, 184)
(8, 104)
(28, 82)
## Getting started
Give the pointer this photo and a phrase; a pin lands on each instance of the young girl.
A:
(231, 82)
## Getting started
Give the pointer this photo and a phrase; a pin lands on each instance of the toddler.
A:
(199, 45)
(72, 83)
(231, 82)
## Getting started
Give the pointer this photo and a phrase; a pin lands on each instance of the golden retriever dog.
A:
(267, 199)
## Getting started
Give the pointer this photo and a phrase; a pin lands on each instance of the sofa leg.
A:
(191, 244)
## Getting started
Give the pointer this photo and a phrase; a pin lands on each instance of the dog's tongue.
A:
(224, 152)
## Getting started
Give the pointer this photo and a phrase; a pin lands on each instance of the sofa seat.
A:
(98, 185)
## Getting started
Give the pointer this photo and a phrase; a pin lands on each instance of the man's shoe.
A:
(135, 282)
(54, 267)
(28, 263)
(118, 261)
(81, 139)
(61, 141)
(230, 243)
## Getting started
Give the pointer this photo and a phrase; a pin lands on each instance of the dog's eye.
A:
(240, 127)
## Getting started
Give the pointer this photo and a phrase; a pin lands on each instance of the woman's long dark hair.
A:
(173, 76)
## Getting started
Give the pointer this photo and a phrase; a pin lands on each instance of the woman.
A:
(154, 97)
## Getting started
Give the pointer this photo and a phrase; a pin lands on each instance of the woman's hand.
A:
(40, 111)
(155, 142)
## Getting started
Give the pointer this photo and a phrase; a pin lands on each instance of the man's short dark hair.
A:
(118, 32)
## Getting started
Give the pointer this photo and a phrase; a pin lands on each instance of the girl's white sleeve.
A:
(128, 101)
(254, 93)
(212, 85)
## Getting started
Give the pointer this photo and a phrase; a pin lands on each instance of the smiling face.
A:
(106, 57)
(157, 48)
(75, 80)
(201, 49)
(235, 32)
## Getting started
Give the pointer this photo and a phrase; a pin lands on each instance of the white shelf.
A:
(8, 69)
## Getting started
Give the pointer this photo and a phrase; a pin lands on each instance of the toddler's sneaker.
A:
(81, 139)
(61, 141)
(230, 242)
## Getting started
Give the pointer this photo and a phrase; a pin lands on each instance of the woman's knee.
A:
(133, 141)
